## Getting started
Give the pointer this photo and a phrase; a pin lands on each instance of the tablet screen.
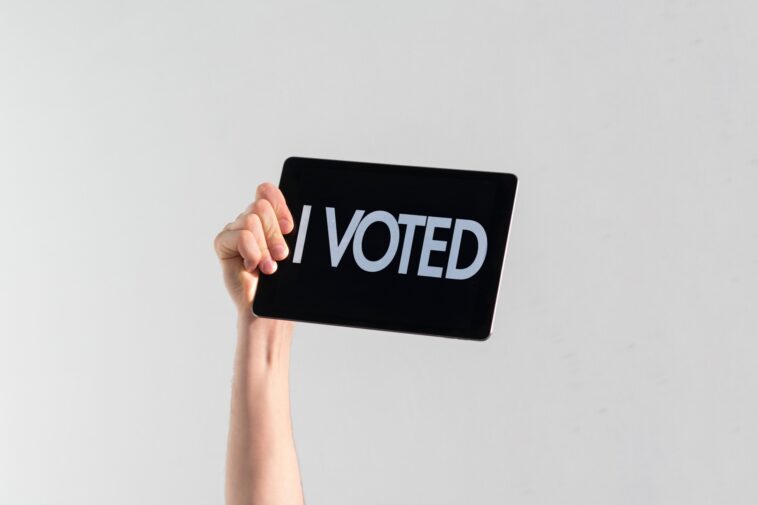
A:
(391, 247)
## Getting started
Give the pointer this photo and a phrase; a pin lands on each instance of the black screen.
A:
(366, 287)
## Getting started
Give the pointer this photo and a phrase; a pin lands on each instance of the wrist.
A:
(263, 342)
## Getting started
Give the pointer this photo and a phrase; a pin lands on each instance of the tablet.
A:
(391, 247)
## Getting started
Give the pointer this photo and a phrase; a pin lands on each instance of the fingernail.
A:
(279, 251)
(285, 224)
(269, 266)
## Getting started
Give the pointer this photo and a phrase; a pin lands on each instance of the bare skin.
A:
(261, 464)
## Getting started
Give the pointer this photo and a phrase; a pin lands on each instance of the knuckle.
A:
(261, 206)
(263, 189)
(250, 221)
(248, 245)
(246, 236)
(274, 234)
(217, 239)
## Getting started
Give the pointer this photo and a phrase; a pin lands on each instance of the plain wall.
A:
(622, 369)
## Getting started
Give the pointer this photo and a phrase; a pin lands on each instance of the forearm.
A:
(261, 463)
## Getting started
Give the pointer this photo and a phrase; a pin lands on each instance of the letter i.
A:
(301, 232)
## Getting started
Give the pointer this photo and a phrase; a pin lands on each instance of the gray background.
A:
(623, 365)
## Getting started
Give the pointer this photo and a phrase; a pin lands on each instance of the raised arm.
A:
(261, 464)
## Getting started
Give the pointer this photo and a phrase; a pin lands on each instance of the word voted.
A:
(361, 221)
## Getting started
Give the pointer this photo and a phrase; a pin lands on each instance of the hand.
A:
(253, 243)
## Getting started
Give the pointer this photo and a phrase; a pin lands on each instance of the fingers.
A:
(271, 229)
(264, 220)
(274, 196)
(231, 244)
(252, 223)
